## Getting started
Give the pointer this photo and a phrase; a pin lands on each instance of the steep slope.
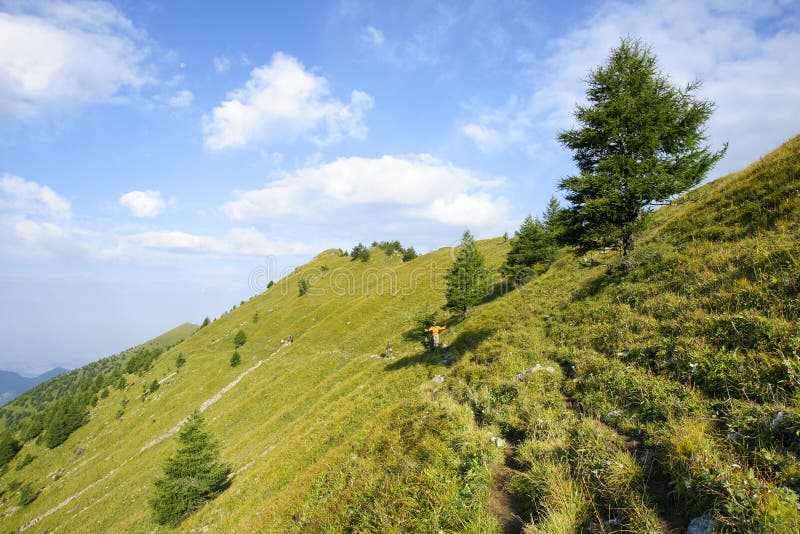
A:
(662, 394)
(625, 400)
(285, 416)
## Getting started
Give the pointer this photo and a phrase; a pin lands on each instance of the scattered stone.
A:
(438, 379)
(499, 442)
(777, 420)
(535, 369)
(612, 414)
(622, 354)
(734, 436)
(702, 525)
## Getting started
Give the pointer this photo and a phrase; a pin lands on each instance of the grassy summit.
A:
(620, 398)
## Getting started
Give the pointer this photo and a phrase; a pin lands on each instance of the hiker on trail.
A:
(388, 349)
(291, 339)
(434, 335)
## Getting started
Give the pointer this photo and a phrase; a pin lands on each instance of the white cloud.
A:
(62, 56)
(181, 99)
(35, 222)
(23, 196)
(406, 189)
(143, 203)
(238, 242)
(744, 53)
(30, 237)
(373, 36)
(283, 101)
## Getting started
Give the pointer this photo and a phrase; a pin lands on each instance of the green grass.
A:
(623, 397)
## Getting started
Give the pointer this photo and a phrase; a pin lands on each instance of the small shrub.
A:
(179, 361)
(28, 458)
(360, 252)
(236, 359)
(239, 339)
(27, 495)
(302, 286)
(152, 387)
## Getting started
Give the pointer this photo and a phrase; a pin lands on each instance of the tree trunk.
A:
(627, 251)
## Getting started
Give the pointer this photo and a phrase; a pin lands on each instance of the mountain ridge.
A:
(590, 397)
(13, 384)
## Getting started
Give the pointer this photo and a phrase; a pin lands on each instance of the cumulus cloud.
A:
(26, 197)
(62, 56)
(410, 188)
(745, 52)
(31, 237)
(143, 203)
(36, 221)
(237, 242)
(181, 99)
(282, 101)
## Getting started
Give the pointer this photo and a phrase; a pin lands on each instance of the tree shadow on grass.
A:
(503, 287)
(466, 341)
(611, 276)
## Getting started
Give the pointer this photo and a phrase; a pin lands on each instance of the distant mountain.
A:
(12, 384)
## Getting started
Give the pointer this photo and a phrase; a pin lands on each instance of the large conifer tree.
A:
(640, 141)
(192, 476)
(468, 279)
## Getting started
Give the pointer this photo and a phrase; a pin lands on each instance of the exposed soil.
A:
(502, 504)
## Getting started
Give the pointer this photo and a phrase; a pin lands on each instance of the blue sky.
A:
(157, 157)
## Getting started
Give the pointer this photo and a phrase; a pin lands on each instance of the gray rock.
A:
(535, 369)
(777, 420)
(702, 525)
(438, 379)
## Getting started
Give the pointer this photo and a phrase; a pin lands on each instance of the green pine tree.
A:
(640, 141)
(360, 252)
(468, 279)
(64, 418)
(532, 250)
(192, 476)
(551, 219)
(9, 447)
(239, 339)
(302, 286)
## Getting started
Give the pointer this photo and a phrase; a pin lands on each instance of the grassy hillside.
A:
(38, 399)
(624, 400)
(170, 337)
